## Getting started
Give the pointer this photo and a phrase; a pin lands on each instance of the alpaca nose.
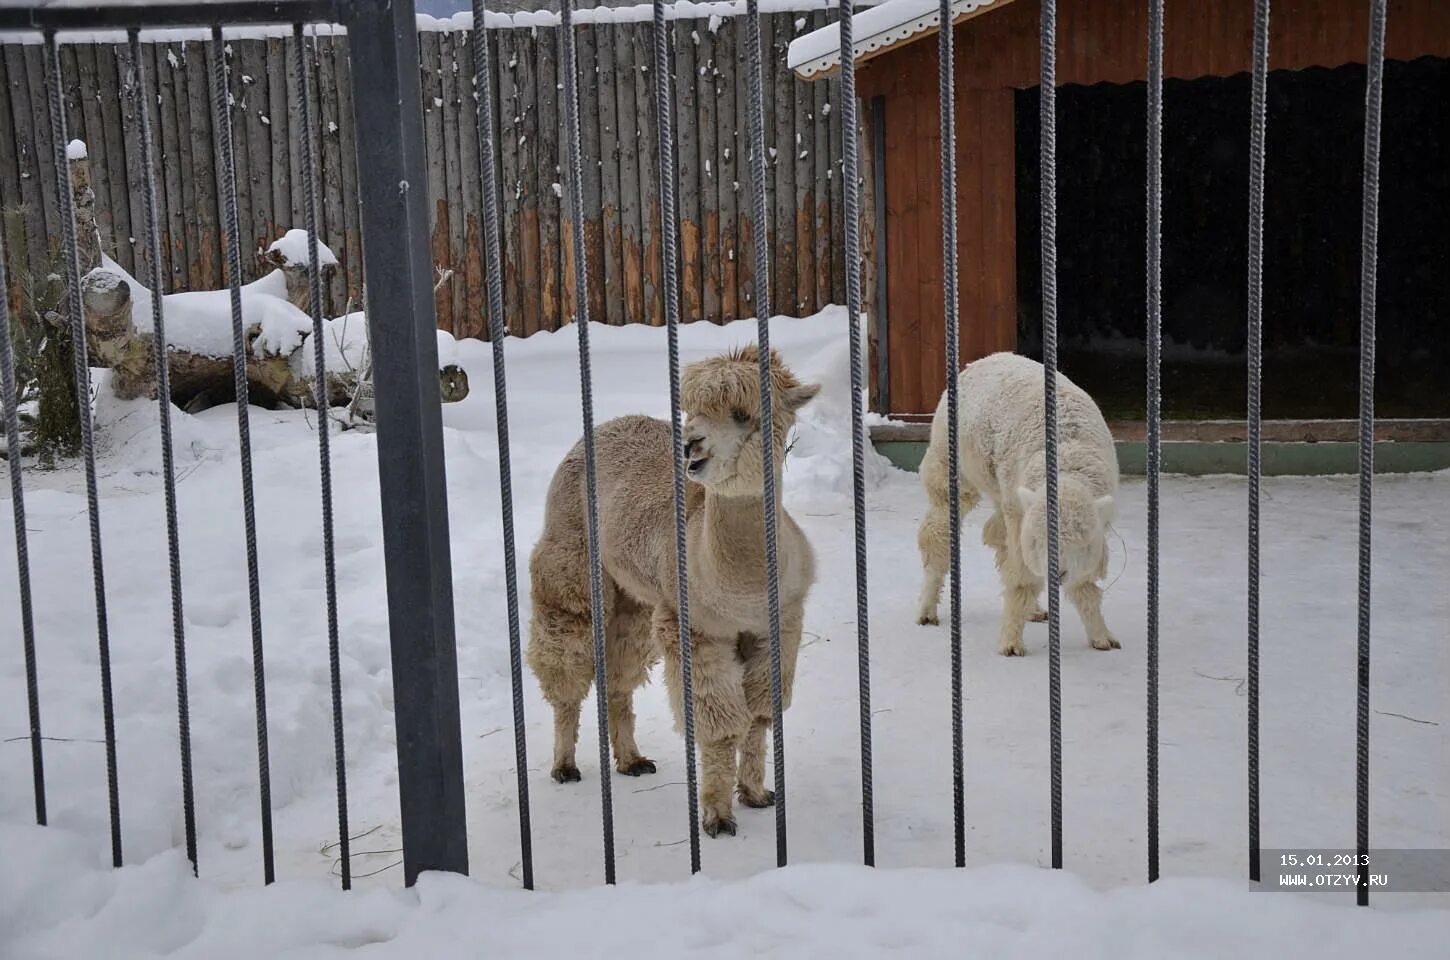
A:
(690, 444)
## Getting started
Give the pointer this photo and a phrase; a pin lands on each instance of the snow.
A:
(1003, 912)
(75, 150)
(58, 896)
(201, 321)
(888, 22)
(293, 247)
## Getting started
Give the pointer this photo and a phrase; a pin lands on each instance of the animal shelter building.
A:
(1315, 130)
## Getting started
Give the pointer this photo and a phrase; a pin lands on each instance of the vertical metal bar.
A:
(493, 252)
(852, 191)
(141, 107)
(1258, 108)
(883, 317)
(947, 107)
(9, 398)
(586, 392)
(402, 329)
(1155, 392)
(670, 229)
(222, 122)
(324, 455)
(83, 405)
(1369, 256)
(1048, 159)
(767, 406)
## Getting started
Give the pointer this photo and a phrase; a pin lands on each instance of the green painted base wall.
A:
(1279, 459)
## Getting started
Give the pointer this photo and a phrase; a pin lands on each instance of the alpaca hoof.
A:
(757, 798)
(715, 828)
(1014, 649)
(1108, 642)
(1039, 617)
(637, 767)
(566, 773)
(927, 620)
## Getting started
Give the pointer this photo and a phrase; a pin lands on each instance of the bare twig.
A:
(1238, 690)
(1428, 723)
(328, 846)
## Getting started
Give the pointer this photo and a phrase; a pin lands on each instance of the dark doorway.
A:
(1312, 242)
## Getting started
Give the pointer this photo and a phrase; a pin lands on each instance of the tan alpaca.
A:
(726, 554)
(1001, 433)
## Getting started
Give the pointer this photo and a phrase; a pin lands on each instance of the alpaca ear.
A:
(1106, 509)
(798, 396)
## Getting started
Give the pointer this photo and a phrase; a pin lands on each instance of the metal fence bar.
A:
(222, 124)
(493, 253)
(324, 455)
(1369, 247)
(586, 392)
(1154, 417)
(398, 270)
(14, 456)
(141, 100)
(767, 405)
(83, 405)
(1048, 159)
(670, 230)
(1258, 107)
(851, 188)
(946, 102)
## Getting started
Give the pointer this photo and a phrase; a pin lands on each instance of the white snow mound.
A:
(292, 245)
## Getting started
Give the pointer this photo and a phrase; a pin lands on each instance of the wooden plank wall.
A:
(621, 187)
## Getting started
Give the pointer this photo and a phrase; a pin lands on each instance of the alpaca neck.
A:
(734, 528)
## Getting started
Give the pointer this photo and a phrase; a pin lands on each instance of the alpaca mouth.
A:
(697, 466)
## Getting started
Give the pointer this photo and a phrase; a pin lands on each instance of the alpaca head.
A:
(1082, 527)
(721, 400)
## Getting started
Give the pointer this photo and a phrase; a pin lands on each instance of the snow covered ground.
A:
(57, 897)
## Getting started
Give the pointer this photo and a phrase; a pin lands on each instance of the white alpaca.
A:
(1001, 448)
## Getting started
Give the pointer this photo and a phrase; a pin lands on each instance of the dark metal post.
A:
(402, 327)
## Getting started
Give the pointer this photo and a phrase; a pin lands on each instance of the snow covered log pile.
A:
(277, 327)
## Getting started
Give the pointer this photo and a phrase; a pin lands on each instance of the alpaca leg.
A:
(631, 654)
(994, 535)
(627, 758)
(1018, 603)
(934, 539)
(721, 714)
(751, 788)
(717, 777)
(559, 657)
(1019, 594)
(1088, 599)
(931, 540)
(755, 659)
(759, 697)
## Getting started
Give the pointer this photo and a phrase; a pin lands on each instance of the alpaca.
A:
(726, 555)
(1001, 446)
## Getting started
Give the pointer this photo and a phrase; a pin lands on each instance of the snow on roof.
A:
(713, 10)
(75, 150)
(874, 30)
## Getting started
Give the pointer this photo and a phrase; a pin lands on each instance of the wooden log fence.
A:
(621, 160)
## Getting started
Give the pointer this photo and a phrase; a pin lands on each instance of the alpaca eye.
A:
(741, 417)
